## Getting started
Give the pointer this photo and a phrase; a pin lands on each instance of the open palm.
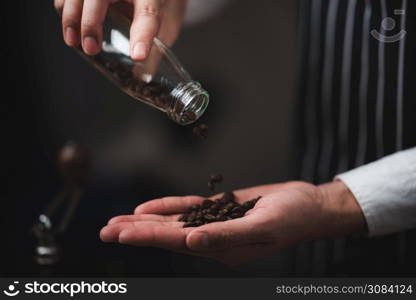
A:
(285, 215)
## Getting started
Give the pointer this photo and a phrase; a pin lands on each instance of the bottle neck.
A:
(191, 100)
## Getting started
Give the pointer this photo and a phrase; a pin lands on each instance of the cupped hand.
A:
(82, 22)
(287, 214)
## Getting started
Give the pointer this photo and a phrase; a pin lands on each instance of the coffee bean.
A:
(146, 92)
(216, 205)
(129, 82)
(236, 215)
(200, 131)
(190, 224)
(221, 218)
(189, 115)
(229, 196)
(256, 199)
(111, 66)
(216, 178)
(137, 88)
(203, 126)
(237, 209)
(210, 217)
(166, 100)
(212, 210)
(192, 216)
(207, 203)
(222, 201)
(229, 206)
(122, 76)
(195, 207)
(199, 222)
(183, 218)
(250, 204)
(223, 212)
(154, 88)
(99, 60)
(196, 132)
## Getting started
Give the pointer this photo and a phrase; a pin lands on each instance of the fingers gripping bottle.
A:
(159, 81)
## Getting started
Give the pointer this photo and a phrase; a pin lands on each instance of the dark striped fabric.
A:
(357, 96)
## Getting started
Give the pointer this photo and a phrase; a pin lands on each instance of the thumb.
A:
(222, 235)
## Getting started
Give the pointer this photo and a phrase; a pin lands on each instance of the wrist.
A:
(341, 212)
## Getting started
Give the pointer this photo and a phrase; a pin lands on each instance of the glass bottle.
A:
(159, 81)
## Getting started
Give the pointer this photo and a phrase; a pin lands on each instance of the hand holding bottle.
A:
(286, 215)
(82, 22)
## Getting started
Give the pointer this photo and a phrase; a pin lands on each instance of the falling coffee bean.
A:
(200, 131)
(216, 178)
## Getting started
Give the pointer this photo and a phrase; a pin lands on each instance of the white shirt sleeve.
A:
(386, 192)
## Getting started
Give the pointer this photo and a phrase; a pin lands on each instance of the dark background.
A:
(50, 95)
(247, 58)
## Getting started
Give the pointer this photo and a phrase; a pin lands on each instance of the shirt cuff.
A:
(386, 192)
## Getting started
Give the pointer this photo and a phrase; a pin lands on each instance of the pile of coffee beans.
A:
(200, 131)
(214, 179)
(222, 209)
(151, 92)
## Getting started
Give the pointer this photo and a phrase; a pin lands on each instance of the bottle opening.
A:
(191, 102)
